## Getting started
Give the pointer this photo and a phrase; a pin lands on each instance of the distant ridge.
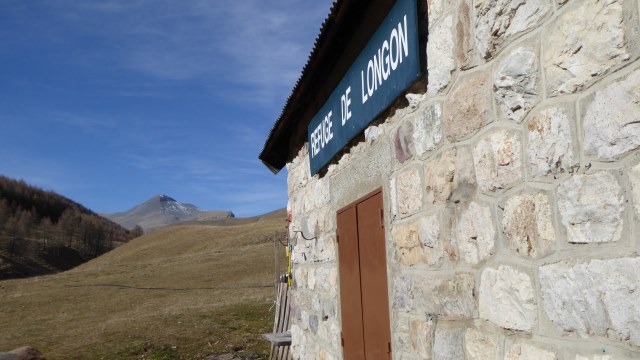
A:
(233, 221)
(163, 210)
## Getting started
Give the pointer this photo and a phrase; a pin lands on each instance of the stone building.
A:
(501, 182)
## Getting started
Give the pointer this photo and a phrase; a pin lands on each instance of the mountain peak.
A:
(163, 197)
(162, 210)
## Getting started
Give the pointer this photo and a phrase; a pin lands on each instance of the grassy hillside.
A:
(182, 292)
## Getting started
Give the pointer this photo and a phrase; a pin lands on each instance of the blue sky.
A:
(110, 102)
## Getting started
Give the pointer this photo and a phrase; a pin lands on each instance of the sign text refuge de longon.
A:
(388, 64)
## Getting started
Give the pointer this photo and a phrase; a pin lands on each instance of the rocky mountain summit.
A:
(163, 210)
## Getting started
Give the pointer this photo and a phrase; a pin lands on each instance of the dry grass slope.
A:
(183, 292)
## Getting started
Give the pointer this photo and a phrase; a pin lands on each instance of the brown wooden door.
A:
(350, 296)
(363, 280)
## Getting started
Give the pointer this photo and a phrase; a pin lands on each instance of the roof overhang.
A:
(343, 35)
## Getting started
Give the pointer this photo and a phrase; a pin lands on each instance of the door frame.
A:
(359, 320)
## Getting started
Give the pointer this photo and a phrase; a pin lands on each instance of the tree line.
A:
(35, 221)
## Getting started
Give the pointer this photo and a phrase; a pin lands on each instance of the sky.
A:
(111, 102)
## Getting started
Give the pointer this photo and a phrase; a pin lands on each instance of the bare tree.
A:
(137, 231)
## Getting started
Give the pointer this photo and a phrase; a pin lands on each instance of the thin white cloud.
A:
(256, 47)
(151, 162)
(88, 124)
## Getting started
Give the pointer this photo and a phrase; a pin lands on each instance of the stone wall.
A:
(511, 188)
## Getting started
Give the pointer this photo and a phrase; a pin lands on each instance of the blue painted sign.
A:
(388, 64)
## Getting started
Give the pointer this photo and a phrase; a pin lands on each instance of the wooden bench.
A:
(280, 338)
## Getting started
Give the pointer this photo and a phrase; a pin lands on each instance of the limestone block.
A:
(474, 234)
(468, 107)
(415, 100)
(313, 323)
(521, 351)
(333, 276)
(302, 344)
(311, 278)
(448, 297)
(324, 355)
(307, 227)
(497, 161)
(407, 244)
(372, 133)
(465, 52)
(436, 8)
(297, 203)
(583, 44)
(308, 198)
(301, 302)
(612, 119)
(591, 208)
(594, 298)
(328, 308)
(634, 179)
(515, 84)
(450, 177)
(419, 242)
(427, 135)
(507, 298)
(334, 333)
(448, 344)
(300, 277)
(527, 225)
(317, 194)
(299, 254)
(403, 142)
(431, 239)
(481, 344)
(500, 21)
(316, 303)
(595, 357)
(403, 298)
(550, 149)
(321, 192)
(326, 279)
(316, 223)
(326, 249)
(400, 334)
(404, 356)
(440, 57)
(606, 357)
(304, 322)
(297, 341)
(421, 333)
(409, 191)
(297, 176)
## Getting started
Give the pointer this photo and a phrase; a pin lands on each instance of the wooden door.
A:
(364, 298)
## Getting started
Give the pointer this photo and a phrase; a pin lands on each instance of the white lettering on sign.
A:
(345, 101)
(389, 56)
(322, 134)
